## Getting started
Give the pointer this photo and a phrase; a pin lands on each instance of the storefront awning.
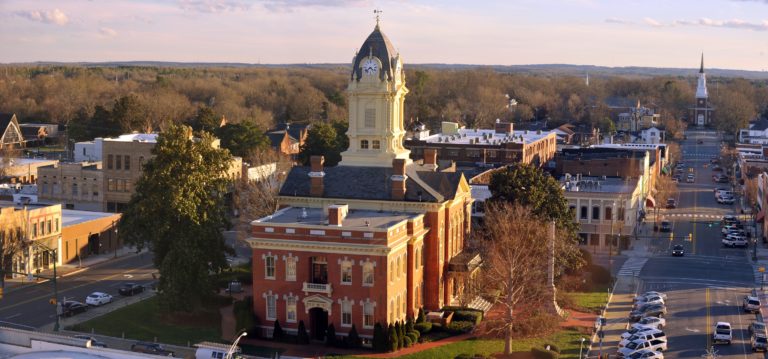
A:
(650, 202)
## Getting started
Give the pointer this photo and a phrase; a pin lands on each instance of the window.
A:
(42, 228)
(608, 213)
(45, 187)
(583, 212)
(74, 189)
(120, 185)
(118, 162)
(492, 153)
(364, 144)
(290, 269)
(376, 144)
(368, 274)
(399, 267)
(271, 307)
(34, 231)
(290, 309)
(346, 272)
(391, 310)
(109, 162)
(111, 185)
(621, 214)
(127, 163)
(269, 267)
(392, 271)
(368, 315)
(595, 212)
(405, 264)
(417, 258)
(57, 224)
(370, 118)
(49, 226)
(346, 313)
(397, 313)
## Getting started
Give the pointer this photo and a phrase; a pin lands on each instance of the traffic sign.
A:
(761, 269)
(52, 301)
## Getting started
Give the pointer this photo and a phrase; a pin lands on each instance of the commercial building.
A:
(499, 146)
(21, 169)
(372, 239)
(74, 185)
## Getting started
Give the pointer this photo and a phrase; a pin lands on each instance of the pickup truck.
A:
(722, 333)
(734, 241)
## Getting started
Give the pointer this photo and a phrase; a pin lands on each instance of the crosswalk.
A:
(695, 215)
(633, 266)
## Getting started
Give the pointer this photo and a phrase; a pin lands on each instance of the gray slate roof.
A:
(5, 120)
(378, 45)
(371, 183)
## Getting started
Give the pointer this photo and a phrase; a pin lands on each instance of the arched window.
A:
(399, 267)
(364, 144)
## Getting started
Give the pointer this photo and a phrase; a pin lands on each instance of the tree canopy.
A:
(242, 139)
(178, 212)
(533, 188)
(325, 139)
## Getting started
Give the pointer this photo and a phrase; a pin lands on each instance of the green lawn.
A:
(592, 302)
(567, 340)
(142, 321)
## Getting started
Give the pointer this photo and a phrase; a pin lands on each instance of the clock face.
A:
(370, 66)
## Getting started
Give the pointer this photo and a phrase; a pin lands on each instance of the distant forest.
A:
(102, 100)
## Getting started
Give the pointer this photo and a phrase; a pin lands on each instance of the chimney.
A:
(336, 214)
(398, 179)
(503, 127)
(316, 176)
(430, 158)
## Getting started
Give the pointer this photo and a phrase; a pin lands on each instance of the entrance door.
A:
(93, 244)
(700, 120)
(318, 322)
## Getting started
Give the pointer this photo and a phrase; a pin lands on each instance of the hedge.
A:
(459, 327)
(540, 353)
(423, 327)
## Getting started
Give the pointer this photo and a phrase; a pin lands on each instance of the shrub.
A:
(537, 323)
(414, 335)
(380, 341)
(353, 339)
(459, 327)
(552, 347)
(302, 337)
(421, 318)
(393, 343)
(330, 335)
(423, 327)
(539, 353)
(468, 316)
(401, 333)
(408, 325)
(407, 342)
(277, 332)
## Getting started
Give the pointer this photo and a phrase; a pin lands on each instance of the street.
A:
(28, 306)
(706, 285)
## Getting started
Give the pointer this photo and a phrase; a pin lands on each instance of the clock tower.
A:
(375, 94)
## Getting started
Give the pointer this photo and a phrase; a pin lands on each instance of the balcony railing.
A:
(317, 288)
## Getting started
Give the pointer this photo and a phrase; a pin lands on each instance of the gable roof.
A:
(373, 183)
(5, 120)
(759, 125)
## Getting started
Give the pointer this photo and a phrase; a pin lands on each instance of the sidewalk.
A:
(64, 270)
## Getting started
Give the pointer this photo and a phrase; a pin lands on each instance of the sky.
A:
(732, 34)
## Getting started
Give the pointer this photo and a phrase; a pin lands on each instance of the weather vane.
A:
(378, 15)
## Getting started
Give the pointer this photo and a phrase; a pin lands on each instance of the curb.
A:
(602, 314)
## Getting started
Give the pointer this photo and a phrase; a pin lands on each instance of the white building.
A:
(756, 134)
(652, 135)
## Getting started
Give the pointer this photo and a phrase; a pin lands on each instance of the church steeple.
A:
(701, 87)
(701, 69)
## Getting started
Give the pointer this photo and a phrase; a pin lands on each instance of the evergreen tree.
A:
(408, 325)
(330, 336)
(178, 211)
(421, 318)
(327, 140)
(241, 139)
(401, 333)
(277, 332)
(392, 338)
(353, 339)
(301, 336)
(380, 341)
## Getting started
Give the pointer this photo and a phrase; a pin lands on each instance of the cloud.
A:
(107, 32)
(219, 6)
(652, 22)
(55, 16)
(289, 5)
(614, 20)
(214, 6)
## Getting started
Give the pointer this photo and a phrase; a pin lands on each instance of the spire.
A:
(377, 12)
(701, 69)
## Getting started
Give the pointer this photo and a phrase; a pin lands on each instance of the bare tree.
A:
(750, 192)
(13, 226)
(515, 263)
(673, 152)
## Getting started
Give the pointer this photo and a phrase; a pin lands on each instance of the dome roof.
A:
(378, 45)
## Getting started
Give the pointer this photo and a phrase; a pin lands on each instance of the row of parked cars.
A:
(95, 299)
(733, 232)
(645, 338)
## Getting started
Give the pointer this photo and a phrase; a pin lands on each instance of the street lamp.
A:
(234, 345)
(114, 243)
(581, 345)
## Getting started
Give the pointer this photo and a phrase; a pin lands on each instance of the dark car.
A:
(700, 142)
(671, 203)
(130, 289)
(678, 250)
(70, 308)
(150, 348)
(666, 226)
(653, 310)
(94, 342)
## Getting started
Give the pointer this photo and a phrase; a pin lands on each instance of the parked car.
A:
(734, 240)
(71, 307)
(98, 298)
(648, 300)
(647, 335)
(151, 348)
(728, 228)
(690, 178)
(653, 322)
(637, 345)
(671, 203)
(666, 226)
(641, 329)
(751, 304)
(757, 327)
(652, 293)
(726, 200)
(653, 310)
(646, 354)
(759, 342)
(94, 342)
(130, 289)
(722, 333)
(678, 250)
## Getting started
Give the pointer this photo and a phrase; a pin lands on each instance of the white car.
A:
(647, 354)
(634, 330)
(653, 322)
(647, 335)
(734, 240)
(651, 299)
(656, 345)
(98, 298)
(651, 293)
(722, 333)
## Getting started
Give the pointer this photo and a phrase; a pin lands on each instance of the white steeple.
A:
(701, 88)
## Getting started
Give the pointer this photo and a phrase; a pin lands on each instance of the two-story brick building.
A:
(372, 239)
